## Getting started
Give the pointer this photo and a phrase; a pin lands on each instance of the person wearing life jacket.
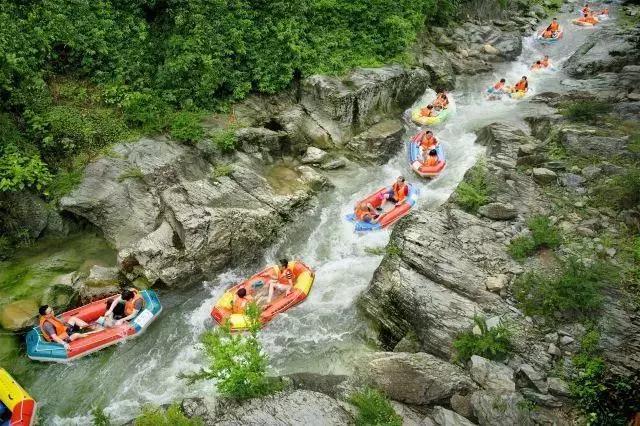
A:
(431, 158)
(124, 307)
(441, 101)
(545, 61)
(537, 66)
(428, 140)
(522, 85)
(398, 192)
(365, 212)
(282, 279)
(554, 26)
(497, 88)
(585, 10)
(240, 301)
(57, 330)
(589, 18)
(427, 111)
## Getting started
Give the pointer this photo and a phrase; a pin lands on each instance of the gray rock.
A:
(585, 232)
(499, 409)
(541, 399)
(438, 65)
(566, 340)
(334, 164)
(492, 375)
(551, 338)
(410, 417)
(314, 155)
(255, 139)
(527, 376)
(380, 142)
(487, 48)
(416, 379)
(285, 408)
(558, 387)
(461, 404)
(554, 350)
(591, 172)
(498, 211)
(101, 282)
(25, 216)
(491, 324)
(444, 417)
(313, 179)
(571, 180)
(497, 283)
(544, 176)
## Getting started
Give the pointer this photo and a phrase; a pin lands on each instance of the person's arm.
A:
(51, 331)
(137, 308)
(405, 193)
(113, 306)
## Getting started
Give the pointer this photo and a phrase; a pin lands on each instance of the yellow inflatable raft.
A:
(16, 406)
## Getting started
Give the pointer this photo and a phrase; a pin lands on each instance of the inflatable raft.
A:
(429, 121)
(581, 22)
(40, 349)
(551, 40)
(517, 95)
(303, 278)
(387, 218)
(416, 159)
(17, 408)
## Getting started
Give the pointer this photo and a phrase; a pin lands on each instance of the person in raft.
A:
(585, 10)
(537, 66)
(398, 192)
(427, 111)
(428, 140)
(59, 331)
(545, 61)
(498, 88)
(365, 212)
(123, 308)
(431, 159)
(521, 86)
(552, 30)
(441, 102)
(241, 300)
(283, 279)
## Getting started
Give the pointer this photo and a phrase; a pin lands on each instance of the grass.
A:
(99, 417)
(173, 416)
(543, 235)
(185, 126)
(225, 140)
(375, 251)
(473, 191)
(494, 343)
(393, 250)
(374, 409)
(620, 191)
(572, 292)
(221, 170)
(585, 111)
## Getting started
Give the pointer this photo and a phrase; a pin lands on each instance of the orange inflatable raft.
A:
(416, 158)
(303, 278)
(387, 218)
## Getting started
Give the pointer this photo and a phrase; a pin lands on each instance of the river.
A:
(325, 333)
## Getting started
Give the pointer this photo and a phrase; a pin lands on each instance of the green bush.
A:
(63, 183)
(99, 417)
(521, 247)
(6, 247)
(543, 235)
(574, 291)
(145, 110)
(185, 126)
(494, 343)
(374, 409)
(225, 140)
(585, 111)
(473, 192)
(221, 170)
(620, 191)
(173, 416)
(19, 171)
(238, 363)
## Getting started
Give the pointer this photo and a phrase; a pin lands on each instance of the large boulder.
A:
(499, 409)
(443, 417)
(416, 379)
(260, 139)
(99, 283)
(378, 143)
(586, 143)
(18, 315)
(492, 375)
(24, 215)
(498, 211)
(344, 106)
(172, 218)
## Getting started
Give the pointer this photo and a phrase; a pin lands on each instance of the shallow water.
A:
(325, 333)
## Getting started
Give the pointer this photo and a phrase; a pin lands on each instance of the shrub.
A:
(63, 183)
(6, 247)
(621, 191)
(585, 111)
(574, 291)
(221, 170)
(473, 192)
(19, 171)
(543, 235)
(494, 343)
(185, 127)
(238, 363)
(173, 416)
(374, 409)
(225, 140)
(99, 417)
(145, 110)
(521, 247)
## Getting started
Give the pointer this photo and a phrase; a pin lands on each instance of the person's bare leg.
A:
(77, 322)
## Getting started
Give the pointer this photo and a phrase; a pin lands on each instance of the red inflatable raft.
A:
(417, 162)
(303, 278)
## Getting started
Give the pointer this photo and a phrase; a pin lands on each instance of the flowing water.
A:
(323, 334)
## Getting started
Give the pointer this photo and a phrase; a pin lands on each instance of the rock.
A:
(585, 232)
(410, 417)
(461, 404)
(314, 155)
(327, 384)
(527, 376)
(558, 387)
(417, 379)
(487, 48)
(444, 417)
(490, 322)
(334, 164)
(313, 179)
(554, 350)
(284, 408)
(610, 251)
(492, 375)
(497, 283)
(566, 340)
(551, 338)
(438, 65)
(508, 45)
(498, 211)
(18, 315)
(544, 176)
(302, 130)
(380, 142)
(591, 172)
(256, 139)
(101, 282)
(571, 180)
(60, 297)
(501, 409)
(30, 215)
(409, 344)
(583, 142)
(540, 399)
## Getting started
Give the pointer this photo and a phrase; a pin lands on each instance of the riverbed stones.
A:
(491, 375)
(417, 379)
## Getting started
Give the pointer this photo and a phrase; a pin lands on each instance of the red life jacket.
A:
(498, 86)
(400, 193)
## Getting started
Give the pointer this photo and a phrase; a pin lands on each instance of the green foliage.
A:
(145, 110)
(375, 251)
(63, 183)
(585, 111)
(173, 416)
(185, 127)
(494, 343)
(131, 173)
(374, 409)
(521, 247)
(224, 140)
(238, 363)
(393, 250)
(573, 291)
(6, 247)
(19, 171)
(221, 170)
(473, 192)
(620, 191)
(543, 235)
(99, 417)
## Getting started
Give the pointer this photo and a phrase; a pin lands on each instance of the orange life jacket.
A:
(428, 141)
(130, 305)
(498, 86)
(360, 212)
(287, 275)
(61, 328)
(399, 193)
(553, 26)
(240, 304)
(585, 10)
(425, 112)
(521, 86)
(432, 160)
